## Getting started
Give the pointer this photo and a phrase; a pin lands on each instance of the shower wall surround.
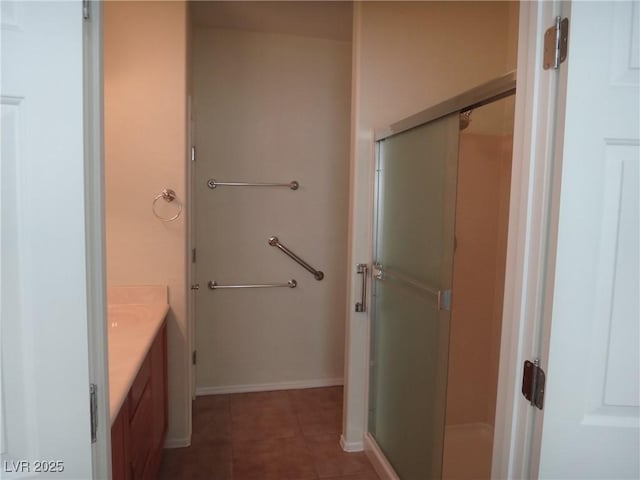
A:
(482, 213)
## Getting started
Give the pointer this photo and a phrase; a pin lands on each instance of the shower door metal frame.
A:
(478, 96)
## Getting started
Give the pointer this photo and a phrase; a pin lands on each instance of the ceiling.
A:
(319, 19)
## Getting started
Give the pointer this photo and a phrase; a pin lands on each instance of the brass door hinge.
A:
(556, 43)
(533, 380)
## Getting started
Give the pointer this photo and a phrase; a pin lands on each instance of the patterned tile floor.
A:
(285, 435)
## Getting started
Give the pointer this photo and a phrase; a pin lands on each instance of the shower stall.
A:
(440, 224)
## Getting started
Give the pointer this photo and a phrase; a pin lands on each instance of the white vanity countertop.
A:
(132, 328)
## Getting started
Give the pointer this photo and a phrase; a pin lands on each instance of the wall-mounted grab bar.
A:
(274, 242)
(212, 183)
(362, 269)
(213, 285)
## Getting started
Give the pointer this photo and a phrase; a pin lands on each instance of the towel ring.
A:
(169, 196)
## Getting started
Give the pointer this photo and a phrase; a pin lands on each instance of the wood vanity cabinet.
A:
(138, 433)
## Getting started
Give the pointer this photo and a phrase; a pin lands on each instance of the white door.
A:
(45, 420)
(591, 414)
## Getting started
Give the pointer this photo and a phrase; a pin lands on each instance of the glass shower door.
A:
(413, 255)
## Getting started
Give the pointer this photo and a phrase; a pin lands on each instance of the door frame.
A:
(532, 229)
(533, 226)
(191, 246)
(95, 232)
(530, 258)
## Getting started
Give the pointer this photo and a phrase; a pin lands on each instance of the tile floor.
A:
(285, 435)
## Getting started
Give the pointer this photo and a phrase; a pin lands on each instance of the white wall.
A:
(145, 54)
(270, 107)
(407, 57)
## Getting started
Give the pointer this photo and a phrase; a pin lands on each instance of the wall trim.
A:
(266, 387)
(95, 232)
(177, 442)
(380, 463)
(351, 446)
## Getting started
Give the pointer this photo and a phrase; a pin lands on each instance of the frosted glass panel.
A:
(415, 208)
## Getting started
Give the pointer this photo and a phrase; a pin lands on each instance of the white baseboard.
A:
(380, 464)
(267, 387)
(177, 442)
(351, 446)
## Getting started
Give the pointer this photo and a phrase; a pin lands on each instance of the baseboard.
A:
(382, 467)
(266, 387)
(177, 442)
(351, 446)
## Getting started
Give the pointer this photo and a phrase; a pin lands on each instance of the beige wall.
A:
(270, 107)
(407, 57)
(484, 174)
(145, 150)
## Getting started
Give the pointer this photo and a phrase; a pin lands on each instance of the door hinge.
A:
(193, 255)
(85, 9)
(194, 358)
(533, 380)
(193, 153)
(93, 402)
(556, 42)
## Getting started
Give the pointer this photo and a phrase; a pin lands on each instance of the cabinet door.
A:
(140, 435)
(119, 436)
(158, 360)
(139, 385)
(159, 387)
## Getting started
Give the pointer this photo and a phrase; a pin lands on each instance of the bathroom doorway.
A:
(441, 209)
(270, 122)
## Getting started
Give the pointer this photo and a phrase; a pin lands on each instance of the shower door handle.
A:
(362, 269)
